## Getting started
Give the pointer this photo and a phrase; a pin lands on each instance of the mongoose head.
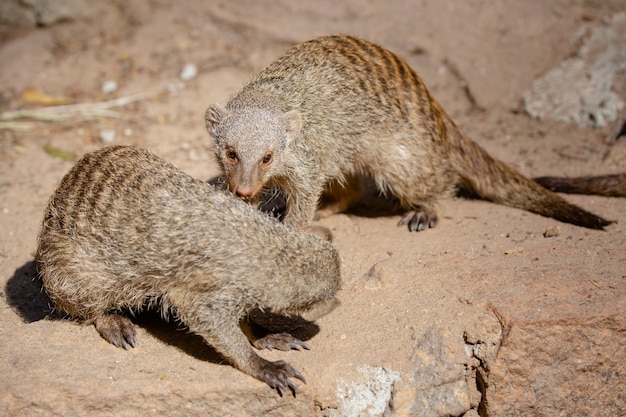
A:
(250, 143)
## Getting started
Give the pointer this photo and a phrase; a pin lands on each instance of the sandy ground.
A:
(481, 263)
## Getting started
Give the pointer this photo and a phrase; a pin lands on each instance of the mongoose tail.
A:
(605, 185)
(493, 180)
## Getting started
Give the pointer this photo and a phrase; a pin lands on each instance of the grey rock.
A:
(48, 12)
(14, 13)
(368, 398)
(580, 89)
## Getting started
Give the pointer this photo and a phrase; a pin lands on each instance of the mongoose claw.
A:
(418, 220)
(117, 330)
(280, 341)
(277, 374)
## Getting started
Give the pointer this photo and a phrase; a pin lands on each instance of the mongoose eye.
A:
(267, 159)
(231, 154)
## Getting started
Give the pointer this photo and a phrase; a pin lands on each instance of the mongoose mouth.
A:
(251, 199)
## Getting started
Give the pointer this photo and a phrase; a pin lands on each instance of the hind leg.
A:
(280, 341)
(271, 341)
(117, 330)
(338, 196)
(417, 194)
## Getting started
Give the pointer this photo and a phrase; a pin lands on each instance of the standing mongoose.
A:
(337, 107)
(126, 230)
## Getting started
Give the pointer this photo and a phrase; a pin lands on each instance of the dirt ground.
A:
(480, 315)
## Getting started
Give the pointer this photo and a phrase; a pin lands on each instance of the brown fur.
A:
(337, 107)
(126, 229)
(606, 185)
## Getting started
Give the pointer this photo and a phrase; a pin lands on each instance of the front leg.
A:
(339, 196)
(302, 199)
(216, 318)
(231, 342)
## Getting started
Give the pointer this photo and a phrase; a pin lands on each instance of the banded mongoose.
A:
(336, 107)
(126, 230)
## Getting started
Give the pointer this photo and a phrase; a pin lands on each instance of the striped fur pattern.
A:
(125, 230)
(338, 107)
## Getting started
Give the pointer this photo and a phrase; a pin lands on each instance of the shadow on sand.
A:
(26, 296)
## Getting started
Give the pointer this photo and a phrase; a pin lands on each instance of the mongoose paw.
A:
(117, 330)
(280, 341)
(319, 231)
(418, 220)
(277, 374)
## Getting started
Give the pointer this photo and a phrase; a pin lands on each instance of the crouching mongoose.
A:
(126, 229)
(337, 107)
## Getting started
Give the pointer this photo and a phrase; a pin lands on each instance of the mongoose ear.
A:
(214, 116)
(292, 120)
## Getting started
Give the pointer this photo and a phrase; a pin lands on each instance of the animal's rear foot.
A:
(117, 330)
(277, 374)
(319, 231)
(418, 220)
(280, 341)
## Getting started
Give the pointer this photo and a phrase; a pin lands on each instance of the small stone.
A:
(107, 135)
(188, 72)
(513, 251)
(378, 274)
(109, 87)
(552, 231)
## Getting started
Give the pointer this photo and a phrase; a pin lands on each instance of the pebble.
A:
(552, 231)
(107, 135)
(381, 273)
(109, 87)
(188, 72)
(513, 251)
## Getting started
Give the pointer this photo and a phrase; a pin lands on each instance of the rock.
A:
(14, 13)
(107, 136)
(48, 12)
(372, 395)
(580, 89)
(109, 87)
(448, 367)
(514, 250)
(188, 72)
(471, 413)
(380, 274)
(560, 368)
(438, 386)
(552, 231)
